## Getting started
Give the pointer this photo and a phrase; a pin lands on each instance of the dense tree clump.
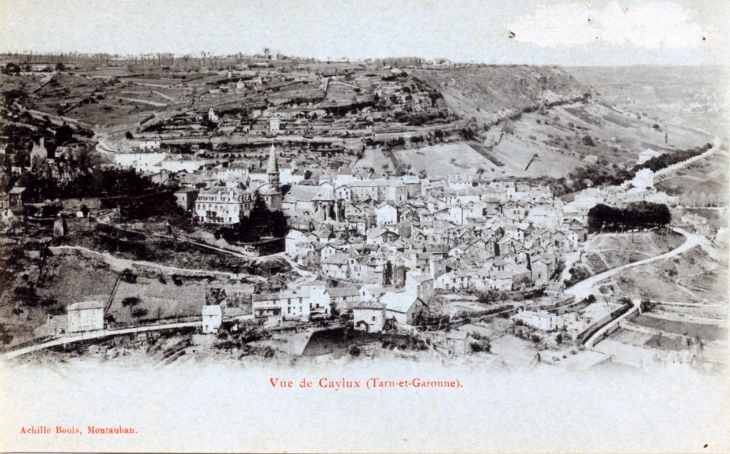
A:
(639, 215)
(260, 223)
(11, 68)
(89, 183)
(64, 134)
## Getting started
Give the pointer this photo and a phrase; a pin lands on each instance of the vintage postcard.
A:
(382, 226)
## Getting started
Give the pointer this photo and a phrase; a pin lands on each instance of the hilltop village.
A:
(264, 205)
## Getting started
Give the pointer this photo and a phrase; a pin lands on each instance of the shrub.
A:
(139, 312)
(48, 302)
(128, 276)
(480, 346)
(131, 301)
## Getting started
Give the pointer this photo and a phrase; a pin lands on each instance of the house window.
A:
(373, 318)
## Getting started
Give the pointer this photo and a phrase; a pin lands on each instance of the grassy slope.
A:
(609, 251)
(693, 276)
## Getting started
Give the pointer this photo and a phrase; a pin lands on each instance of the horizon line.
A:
(342, 59)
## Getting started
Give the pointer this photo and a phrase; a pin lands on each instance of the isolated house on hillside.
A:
(212, 319)
(647, 155)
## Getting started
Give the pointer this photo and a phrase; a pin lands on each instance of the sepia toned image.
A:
(319, 226)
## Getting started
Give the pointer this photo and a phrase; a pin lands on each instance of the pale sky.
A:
(606, 32)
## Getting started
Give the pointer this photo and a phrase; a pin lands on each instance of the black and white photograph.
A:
(407, 226)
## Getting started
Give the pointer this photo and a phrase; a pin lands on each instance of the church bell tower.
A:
(273, 169)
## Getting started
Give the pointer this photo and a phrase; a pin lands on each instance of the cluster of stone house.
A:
(234, 196)
(499, 236)
(402, 303)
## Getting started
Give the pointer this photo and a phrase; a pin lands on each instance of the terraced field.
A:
(705, 332)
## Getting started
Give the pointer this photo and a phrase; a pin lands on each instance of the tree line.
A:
(604, 174)
(667, 159)
(640, 215)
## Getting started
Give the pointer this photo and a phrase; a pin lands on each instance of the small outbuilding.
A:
(212, 319)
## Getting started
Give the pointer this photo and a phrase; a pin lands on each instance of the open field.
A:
(157, 300)
(375, 159)
(554, 133)
(446, 159)
(665, 343)
(487, 93)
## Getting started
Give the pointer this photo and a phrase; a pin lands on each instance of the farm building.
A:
(404, 307)
(85, 316)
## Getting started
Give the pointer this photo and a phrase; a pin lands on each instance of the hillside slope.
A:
(493, 93)
(540, 121)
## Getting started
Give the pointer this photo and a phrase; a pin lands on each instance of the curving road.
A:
(585, 287)
(94, 335)
(591, 340)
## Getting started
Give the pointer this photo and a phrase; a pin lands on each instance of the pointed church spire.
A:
(272, 167)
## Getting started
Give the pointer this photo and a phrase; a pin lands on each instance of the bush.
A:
(139, 312)
(131, 301)
(48, 302)
(481, 345)
(128, 276)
